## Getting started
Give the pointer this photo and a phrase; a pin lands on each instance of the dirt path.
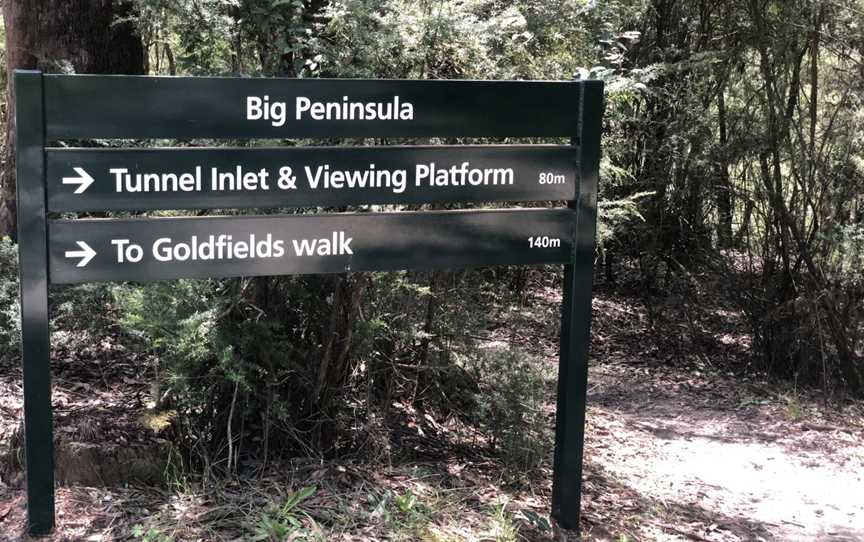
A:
(678, 454)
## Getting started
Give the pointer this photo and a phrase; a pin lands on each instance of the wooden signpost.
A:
(51, 179)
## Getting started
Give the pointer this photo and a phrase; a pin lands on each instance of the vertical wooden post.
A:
(33, 273)
(576, 316)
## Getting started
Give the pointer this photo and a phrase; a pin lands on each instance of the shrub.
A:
(10, 316)
(512, 406)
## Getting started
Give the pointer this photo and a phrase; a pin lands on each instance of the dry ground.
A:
(679, 447)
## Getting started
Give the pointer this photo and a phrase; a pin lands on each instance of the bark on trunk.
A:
(723, 186)
(333, 370)
(62, 36)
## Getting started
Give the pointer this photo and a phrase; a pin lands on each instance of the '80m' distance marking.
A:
(552, 178)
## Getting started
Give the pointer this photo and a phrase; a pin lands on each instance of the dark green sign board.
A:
(62, 179)
(146, 249)
(196, 178)
(89, 106)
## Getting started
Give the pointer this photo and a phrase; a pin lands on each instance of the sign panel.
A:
(123, 107)
(166, 248)
(143, 179)
(56, 107)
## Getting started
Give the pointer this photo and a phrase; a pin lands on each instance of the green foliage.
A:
(408, 516)
(74, 309)
(83, 309)
(189, 37)
(149, 535)
(845, 260)
(503, 527)
(614, 216)
(792, 406)
(241, 359)
(398, 38)
(10, 317)
(209, 351)
(180, 318)
(746, 151)
(417, 39)
(287, 522)
(423, 320)
(405, 503)
(366, 38)
(512, 406)
(536, 520)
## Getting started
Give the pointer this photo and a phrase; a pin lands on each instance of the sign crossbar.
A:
(296, 177)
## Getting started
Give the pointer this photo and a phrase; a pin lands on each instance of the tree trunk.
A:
(723, 187)
(429, 322)
(334, 369)
(61, 36)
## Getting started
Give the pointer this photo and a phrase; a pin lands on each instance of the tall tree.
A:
(62, 36)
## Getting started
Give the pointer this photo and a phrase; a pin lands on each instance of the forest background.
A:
(732, 149)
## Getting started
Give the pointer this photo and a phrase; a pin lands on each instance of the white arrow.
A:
(86, 254)
(83, 180)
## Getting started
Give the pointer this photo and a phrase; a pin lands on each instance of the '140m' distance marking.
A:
(542, 241)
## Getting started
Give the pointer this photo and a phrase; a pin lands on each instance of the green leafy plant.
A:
(792, 407)
(406, 515)
(149, 535)
(286, 522)
(536, 520)
(405, 503)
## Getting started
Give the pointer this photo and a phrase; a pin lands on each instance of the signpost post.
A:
(51, 180)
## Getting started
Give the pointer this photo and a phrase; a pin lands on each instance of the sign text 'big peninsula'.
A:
(192, 107)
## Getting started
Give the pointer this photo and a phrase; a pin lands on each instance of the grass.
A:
(408, 515)
(288, 521)
(402, 503)
(503, 527)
